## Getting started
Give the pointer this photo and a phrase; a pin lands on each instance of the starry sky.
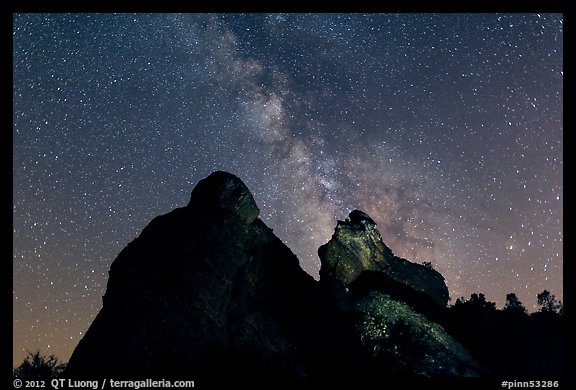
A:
(445, 128)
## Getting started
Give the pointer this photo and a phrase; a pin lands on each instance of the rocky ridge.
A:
(209, 289)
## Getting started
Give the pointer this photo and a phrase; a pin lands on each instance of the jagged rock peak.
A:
(356, 248)
(224, 190)
(361, 222)
(199, 297)
(357, 216)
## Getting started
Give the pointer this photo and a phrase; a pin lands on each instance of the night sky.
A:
(445, 128)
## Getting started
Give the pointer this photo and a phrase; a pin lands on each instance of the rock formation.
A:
(208, 291)
(394, 302)
(357, 247)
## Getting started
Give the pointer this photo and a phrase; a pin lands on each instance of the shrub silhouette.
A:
(548, 302)
(37, 366)
(513, 305)
(476, 303)
(507, 340)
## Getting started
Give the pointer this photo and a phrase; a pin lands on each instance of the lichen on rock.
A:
(407, 342)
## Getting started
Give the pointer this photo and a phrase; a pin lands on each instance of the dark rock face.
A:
(201, 283)
(208, 291)
(223, 190)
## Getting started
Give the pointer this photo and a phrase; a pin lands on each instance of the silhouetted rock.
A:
(208, 292)
(356, 247)
(201, 283)
(223, 190)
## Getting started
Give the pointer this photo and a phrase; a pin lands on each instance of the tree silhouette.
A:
(476, 302)
(549, 303)
(513, 304)
(37, 366)
(504, 340)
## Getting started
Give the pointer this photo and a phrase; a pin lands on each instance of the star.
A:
(445, 128)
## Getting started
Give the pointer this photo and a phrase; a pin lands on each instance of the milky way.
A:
(446, 129)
